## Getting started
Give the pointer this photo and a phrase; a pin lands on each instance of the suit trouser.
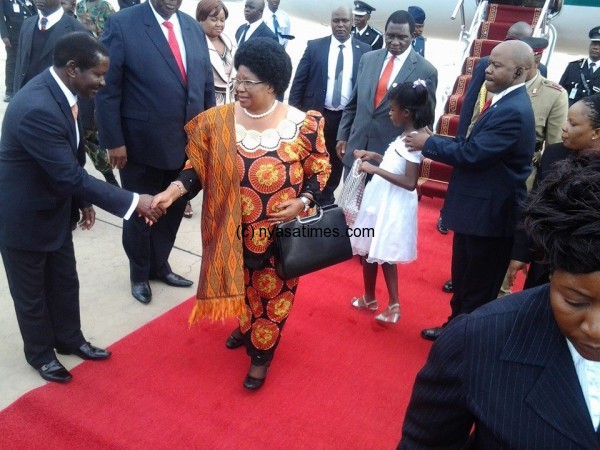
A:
(45, 290)
(478, 268)
(332, 123)
(11, 64)
(148, 248)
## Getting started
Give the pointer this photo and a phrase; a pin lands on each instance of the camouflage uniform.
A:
(93, 14)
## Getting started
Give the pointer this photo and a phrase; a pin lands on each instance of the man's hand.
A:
(144, 209)
(415, 141)
(340, 149)
(6, 42)
(88, 218)
(513, 269)
(117, 157)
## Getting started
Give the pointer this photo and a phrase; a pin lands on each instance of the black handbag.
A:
(307, 244)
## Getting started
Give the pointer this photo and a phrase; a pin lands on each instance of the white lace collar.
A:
(269, 140)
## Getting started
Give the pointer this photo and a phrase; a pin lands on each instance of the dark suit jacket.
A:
(41, 170)
(310, 82)
(477, 80)
(365, 127)
(65, 25)
(506, 369)
(490, 168)
(146, 104)
(262, 31)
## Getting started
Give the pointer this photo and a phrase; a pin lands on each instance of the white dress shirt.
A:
(398, 63)
(252, 29)
(596, 63)
(52, 18)
(498, 96)
(283, 19)
(176, 28)
(588, 373)
(347, 81)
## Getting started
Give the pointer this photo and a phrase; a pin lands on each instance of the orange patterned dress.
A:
(275, 165)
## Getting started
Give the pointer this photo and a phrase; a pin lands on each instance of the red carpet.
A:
(339, 380)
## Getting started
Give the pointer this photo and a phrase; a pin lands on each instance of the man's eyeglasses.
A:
(248, 84)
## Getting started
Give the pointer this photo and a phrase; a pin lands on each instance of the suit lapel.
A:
(378, 63)
(356, 55)
(156, 35)
(60, 98)
(556, 396)
(323, 53)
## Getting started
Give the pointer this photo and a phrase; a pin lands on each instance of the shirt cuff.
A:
(134, 203)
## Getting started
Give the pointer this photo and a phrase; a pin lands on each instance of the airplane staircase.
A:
(492, 20)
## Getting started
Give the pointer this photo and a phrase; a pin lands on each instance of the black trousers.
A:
(45, 290)
(479, 265)
(148, 248)
(332, 123)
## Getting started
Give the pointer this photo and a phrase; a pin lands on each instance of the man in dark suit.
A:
(14, 13)
(41, 176)
(361, 30)
(582, 77)
(324, 82)
(366, 124)
(254, 26)
(160, 77)
(521, 372)
(38, 37)
(517, 31)
(488, 180)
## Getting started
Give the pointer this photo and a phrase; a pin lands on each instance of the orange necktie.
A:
(175, 49)
(382, 86)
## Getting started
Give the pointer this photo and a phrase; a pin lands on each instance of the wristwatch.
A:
(306, 202)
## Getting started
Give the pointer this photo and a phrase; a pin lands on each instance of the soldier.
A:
(14, 12)
(362, 30)
(418, 42)
(582, 77)
(93, 14)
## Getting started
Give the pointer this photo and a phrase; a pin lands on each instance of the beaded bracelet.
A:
(178, 187)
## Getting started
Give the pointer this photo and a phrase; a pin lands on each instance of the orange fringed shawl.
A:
(212, 153)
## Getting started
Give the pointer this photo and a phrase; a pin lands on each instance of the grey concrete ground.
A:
(108, 311)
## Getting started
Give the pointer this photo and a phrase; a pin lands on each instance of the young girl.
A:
(389, 204)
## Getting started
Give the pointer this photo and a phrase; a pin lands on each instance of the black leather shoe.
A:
(431, 334)
(86, 351)
(141, 292)
(448, 286)
(233, 342)
(440, 226)
(172, 279)
(55, 371)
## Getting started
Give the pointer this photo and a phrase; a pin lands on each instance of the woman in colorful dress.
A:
(260, 162)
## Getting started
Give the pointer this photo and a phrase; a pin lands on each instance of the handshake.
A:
(152, 208)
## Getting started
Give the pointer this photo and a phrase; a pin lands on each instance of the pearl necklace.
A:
(260, 116)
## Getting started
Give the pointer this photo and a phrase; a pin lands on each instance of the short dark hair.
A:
(401, 17)
(593, 103)
(416, 98)
(206, 7)
(563, 215)
(80, 47)
(268, 60)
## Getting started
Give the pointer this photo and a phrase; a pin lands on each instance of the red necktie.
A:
(384, 81)
(175, 49)
(486, 106)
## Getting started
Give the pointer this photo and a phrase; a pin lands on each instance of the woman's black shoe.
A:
(233, 342)
(253, 383)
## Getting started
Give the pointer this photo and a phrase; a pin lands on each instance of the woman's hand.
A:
(367, 168)
(287, 210)
(164, 199)
(88, 218)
